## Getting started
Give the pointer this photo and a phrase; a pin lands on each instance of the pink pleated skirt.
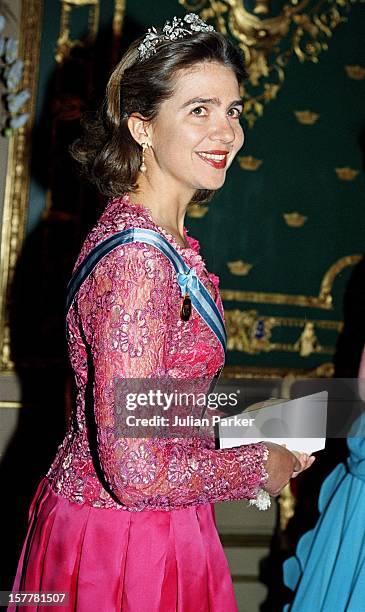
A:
(110, 560)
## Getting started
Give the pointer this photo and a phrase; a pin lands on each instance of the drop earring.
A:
(143, 167)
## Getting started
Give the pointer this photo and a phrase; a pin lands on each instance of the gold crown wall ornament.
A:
(197, 211)
(355, 72)
(269, 34)
(346, 173)
(239, 267)
(306, 117)
(294, 219)
(248, 162)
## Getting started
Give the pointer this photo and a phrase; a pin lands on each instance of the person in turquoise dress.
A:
(327, 572)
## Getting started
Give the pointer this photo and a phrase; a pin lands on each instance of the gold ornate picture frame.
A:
(15, 206)
(14, 213)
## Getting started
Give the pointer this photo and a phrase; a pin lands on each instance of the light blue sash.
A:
(186, 277)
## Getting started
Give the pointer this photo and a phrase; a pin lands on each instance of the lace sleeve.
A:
(126, 317)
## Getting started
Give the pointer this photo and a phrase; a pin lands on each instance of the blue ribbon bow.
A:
(187, 281)
(187, 278)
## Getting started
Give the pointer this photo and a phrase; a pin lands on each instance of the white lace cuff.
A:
(262, 501)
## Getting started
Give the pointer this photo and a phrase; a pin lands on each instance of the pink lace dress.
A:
(127, 523)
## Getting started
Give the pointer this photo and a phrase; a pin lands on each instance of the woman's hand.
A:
(282, 465)
(305, 461)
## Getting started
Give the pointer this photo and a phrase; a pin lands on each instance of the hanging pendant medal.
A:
(185, 311)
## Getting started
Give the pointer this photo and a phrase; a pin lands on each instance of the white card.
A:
(300, 424)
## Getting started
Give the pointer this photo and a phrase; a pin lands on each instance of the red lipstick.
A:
(216, 163)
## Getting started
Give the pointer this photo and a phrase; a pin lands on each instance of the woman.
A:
(328, 570)
(124, 523)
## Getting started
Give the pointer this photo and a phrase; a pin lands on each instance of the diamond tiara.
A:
(178, 28)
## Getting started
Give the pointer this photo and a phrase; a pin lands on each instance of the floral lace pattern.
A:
(125, 322)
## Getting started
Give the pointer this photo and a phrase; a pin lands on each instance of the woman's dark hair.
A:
(107, 153)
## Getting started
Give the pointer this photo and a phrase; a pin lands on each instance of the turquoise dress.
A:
(327, 572)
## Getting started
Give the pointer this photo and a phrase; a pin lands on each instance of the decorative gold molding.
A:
(324, 300)
(269, 36)
(18, 170)
(307, 342)
(286, 503)
(118, 17)
(233, 372)
(250, 332)
(64, 42)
